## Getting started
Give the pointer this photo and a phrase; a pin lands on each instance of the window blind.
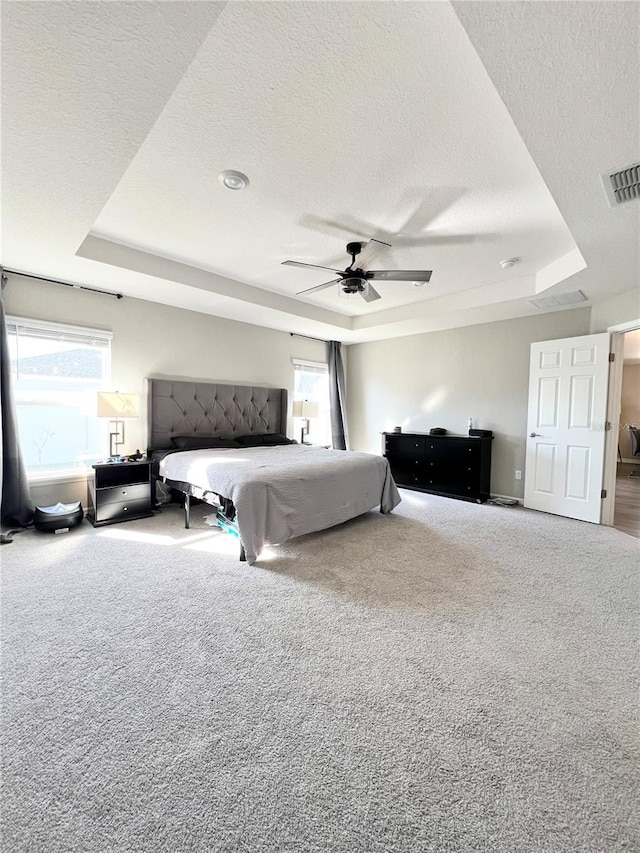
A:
(58, 332)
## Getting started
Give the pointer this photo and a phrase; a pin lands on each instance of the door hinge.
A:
(607, 426)
(612, 356)
(603, 493)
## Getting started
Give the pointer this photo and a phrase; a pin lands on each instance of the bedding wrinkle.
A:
(280, 492)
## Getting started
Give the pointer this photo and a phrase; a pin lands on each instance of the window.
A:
(56, 372)
(311, 382)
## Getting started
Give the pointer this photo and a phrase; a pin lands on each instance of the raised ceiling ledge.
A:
(135, 260)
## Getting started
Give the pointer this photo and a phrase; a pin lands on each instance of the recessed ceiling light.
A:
(508, 263)
(233, 180)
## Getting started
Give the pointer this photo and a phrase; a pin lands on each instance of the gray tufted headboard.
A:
(178, 407)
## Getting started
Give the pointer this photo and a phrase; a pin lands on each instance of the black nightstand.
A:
(119, 491)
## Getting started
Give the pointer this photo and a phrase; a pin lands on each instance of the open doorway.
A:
(627, 484)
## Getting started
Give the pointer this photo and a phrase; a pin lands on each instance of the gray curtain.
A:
(337, 399)
(17, 508)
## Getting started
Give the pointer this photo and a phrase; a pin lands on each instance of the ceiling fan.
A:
(359, 280)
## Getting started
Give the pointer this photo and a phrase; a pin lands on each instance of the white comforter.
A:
(285, 491)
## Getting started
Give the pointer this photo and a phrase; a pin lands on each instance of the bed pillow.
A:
(260, 439)
(200, 442)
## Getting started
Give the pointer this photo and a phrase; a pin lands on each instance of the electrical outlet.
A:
(518, 474)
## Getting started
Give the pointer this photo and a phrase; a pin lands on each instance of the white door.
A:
(568, 382)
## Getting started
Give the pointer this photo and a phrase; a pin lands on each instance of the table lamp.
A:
(116, 406)
(305, 409)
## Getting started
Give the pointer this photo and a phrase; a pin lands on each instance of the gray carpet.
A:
(452, 677)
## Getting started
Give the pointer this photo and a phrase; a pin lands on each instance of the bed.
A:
(268, 492)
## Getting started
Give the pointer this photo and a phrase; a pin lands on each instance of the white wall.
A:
(156, 340)
(440, 379)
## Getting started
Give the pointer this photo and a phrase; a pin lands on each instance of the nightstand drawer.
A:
(121, 510)
(123, 494)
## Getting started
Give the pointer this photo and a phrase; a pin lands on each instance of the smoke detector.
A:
(508, 263)
(233, 180)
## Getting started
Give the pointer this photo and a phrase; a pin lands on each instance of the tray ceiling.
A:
(463, 134)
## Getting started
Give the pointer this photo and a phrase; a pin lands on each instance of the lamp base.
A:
(116, 438)
(304, 431)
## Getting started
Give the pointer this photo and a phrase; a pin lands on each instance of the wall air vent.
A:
(623, 185)
(559, 300)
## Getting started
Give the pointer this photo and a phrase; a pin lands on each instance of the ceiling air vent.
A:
(559, 300)
(623, 185)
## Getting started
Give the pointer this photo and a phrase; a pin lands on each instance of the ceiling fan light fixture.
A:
(233, 180)
(349, 288)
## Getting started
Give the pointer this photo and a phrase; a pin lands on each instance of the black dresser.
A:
(457, 466)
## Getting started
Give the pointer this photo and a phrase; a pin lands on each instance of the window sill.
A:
(55, 477)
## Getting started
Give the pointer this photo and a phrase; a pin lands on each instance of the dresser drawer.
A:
(453, 450)
(121, 510)
(399, 445)
(123, 494)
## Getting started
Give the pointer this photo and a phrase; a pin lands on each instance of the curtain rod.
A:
(56, 281)
(308, 337)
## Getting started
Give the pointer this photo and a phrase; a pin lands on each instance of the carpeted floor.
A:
(452, 677)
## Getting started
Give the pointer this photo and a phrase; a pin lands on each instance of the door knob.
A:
(533, 434)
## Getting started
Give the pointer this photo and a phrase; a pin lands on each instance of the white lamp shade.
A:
(306, 409)
(112, 404)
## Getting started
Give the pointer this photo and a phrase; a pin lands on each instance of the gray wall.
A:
(444, 378)
(436, 379)
(622, 308)
(629, 406)
(156, 340)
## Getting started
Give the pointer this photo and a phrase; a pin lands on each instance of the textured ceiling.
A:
(460, 133)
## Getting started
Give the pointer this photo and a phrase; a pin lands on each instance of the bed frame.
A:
(182, 407)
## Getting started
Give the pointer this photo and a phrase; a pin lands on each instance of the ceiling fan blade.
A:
(319, 286)
(349, 227)
(430, 203)
(371, 251)
(313, 266)
(399, 275)
(433, 239)
(369, 293)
